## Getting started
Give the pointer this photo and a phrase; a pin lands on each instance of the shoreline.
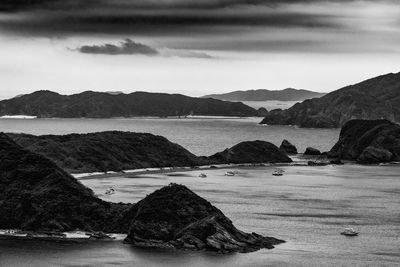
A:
(134, 172)
(163, 170)
(64, 237)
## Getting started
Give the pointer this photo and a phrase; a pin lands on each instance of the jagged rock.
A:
(288, 147)
(368, 141)
(375, 98)
(374, 155)
(175, 217)
(35, 194)
(312, 151)
(251, 152)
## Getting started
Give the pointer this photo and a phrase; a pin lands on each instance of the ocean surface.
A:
(201, 136)
(270, 104)
(307, 207)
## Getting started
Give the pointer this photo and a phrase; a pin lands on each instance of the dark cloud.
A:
(127, 47)
(7, 5)
(246, 25)
(58, 17)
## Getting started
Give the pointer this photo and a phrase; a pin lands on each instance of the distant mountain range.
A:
(48, 104)
(288, 94)
(376, 98)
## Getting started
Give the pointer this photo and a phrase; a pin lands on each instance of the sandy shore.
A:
(137, 172)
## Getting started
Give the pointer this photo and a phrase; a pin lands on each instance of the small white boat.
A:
(278, 172)
(349, 232)
(230, 173)
(203, 175)
(110, 191)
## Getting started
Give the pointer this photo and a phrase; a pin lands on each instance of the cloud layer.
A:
(349, 26)
(127, 47)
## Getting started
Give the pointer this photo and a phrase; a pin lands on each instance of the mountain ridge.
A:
(90, 104)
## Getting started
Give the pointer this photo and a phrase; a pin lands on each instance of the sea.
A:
(307, 207)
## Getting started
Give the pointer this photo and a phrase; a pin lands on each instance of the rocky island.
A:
(376, 98)
(368, 141)
(251, 152)
(89, 104)
(175, 217)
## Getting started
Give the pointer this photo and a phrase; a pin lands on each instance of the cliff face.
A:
(47, 104)
(368, 141)
(108, 151)
(35, 194)
(375, 98)
(175, 217)
(251, 152)
(288, 94)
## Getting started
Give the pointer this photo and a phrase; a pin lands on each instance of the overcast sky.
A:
(194, 47)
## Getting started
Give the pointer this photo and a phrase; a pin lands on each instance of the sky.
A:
(194, 47)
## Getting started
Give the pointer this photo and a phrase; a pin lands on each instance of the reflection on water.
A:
(201, 136)
(307, 206)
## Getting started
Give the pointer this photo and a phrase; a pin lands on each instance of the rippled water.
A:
(200, 136)
(307, 207)
(271, 104)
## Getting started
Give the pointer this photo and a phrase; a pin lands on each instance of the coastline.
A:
(134, 172)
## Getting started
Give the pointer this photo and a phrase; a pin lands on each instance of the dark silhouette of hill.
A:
(288, 94)
(108, 151)
(368, 141)
(35, 194)
(376, 98)
(47, 104)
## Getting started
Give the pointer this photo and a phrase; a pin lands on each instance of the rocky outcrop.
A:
(288, 147)
(47, 104)
(312, 151)
(251, 152)
(374, 155)
(175, 217)
(375, 98)
(108, 151)
(368, 141)
(35, 194)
